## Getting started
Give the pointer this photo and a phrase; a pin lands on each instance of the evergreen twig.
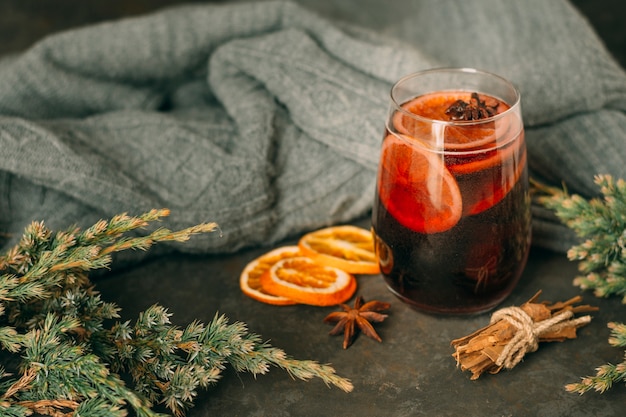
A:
(601, 256)
(60, 359)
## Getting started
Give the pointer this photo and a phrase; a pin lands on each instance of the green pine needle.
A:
(601, 256)
(59, 358)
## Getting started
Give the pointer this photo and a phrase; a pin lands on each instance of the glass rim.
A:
(513, 107)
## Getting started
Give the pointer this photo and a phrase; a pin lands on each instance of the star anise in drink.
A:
(474, 110)
(357, 317)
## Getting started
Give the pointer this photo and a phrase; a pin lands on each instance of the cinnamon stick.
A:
(515, 331)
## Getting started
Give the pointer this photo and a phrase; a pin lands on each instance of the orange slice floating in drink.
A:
(307, 282)
(417, 188)
(347, 247)
(489, 151)
(250, 278)
(417, 118)
(496, 187)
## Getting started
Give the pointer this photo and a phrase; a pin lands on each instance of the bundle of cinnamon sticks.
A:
(515, 331)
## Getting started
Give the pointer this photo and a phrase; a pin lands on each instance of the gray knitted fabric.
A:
(266, 117)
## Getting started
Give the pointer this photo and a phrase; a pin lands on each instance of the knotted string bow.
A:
(528, 333)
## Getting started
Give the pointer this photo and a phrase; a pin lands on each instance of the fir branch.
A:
(169, 363)
(601, 223)
(606, 375)
(63, 360)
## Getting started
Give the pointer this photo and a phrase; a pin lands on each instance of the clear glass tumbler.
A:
(451, 217)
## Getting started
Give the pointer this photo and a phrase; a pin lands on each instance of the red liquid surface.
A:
(452, 230)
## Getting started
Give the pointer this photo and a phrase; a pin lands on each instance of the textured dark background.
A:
(23, 22)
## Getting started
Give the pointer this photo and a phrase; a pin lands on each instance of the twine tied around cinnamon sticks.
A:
(515, 331)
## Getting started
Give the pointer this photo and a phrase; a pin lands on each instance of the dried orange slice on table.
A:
(250, 278)
(318, 271)
(305, 281)
(349, 248)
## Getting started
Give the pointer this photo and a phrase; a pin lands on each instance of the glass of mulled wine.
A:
(451, 218)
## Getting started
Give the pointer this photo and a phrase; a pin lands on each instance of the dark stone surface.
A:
(412, 372)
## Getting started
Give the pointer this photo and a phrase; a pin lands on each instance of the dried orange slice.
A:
(306, 281)
(417, 188)
(250, 278)
(346, 247)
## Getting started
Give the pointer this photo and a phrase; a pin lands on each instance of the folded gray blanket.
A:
(266, 117)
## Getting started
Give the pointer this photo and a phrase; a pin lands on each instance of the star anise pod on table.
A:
(359, 317)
